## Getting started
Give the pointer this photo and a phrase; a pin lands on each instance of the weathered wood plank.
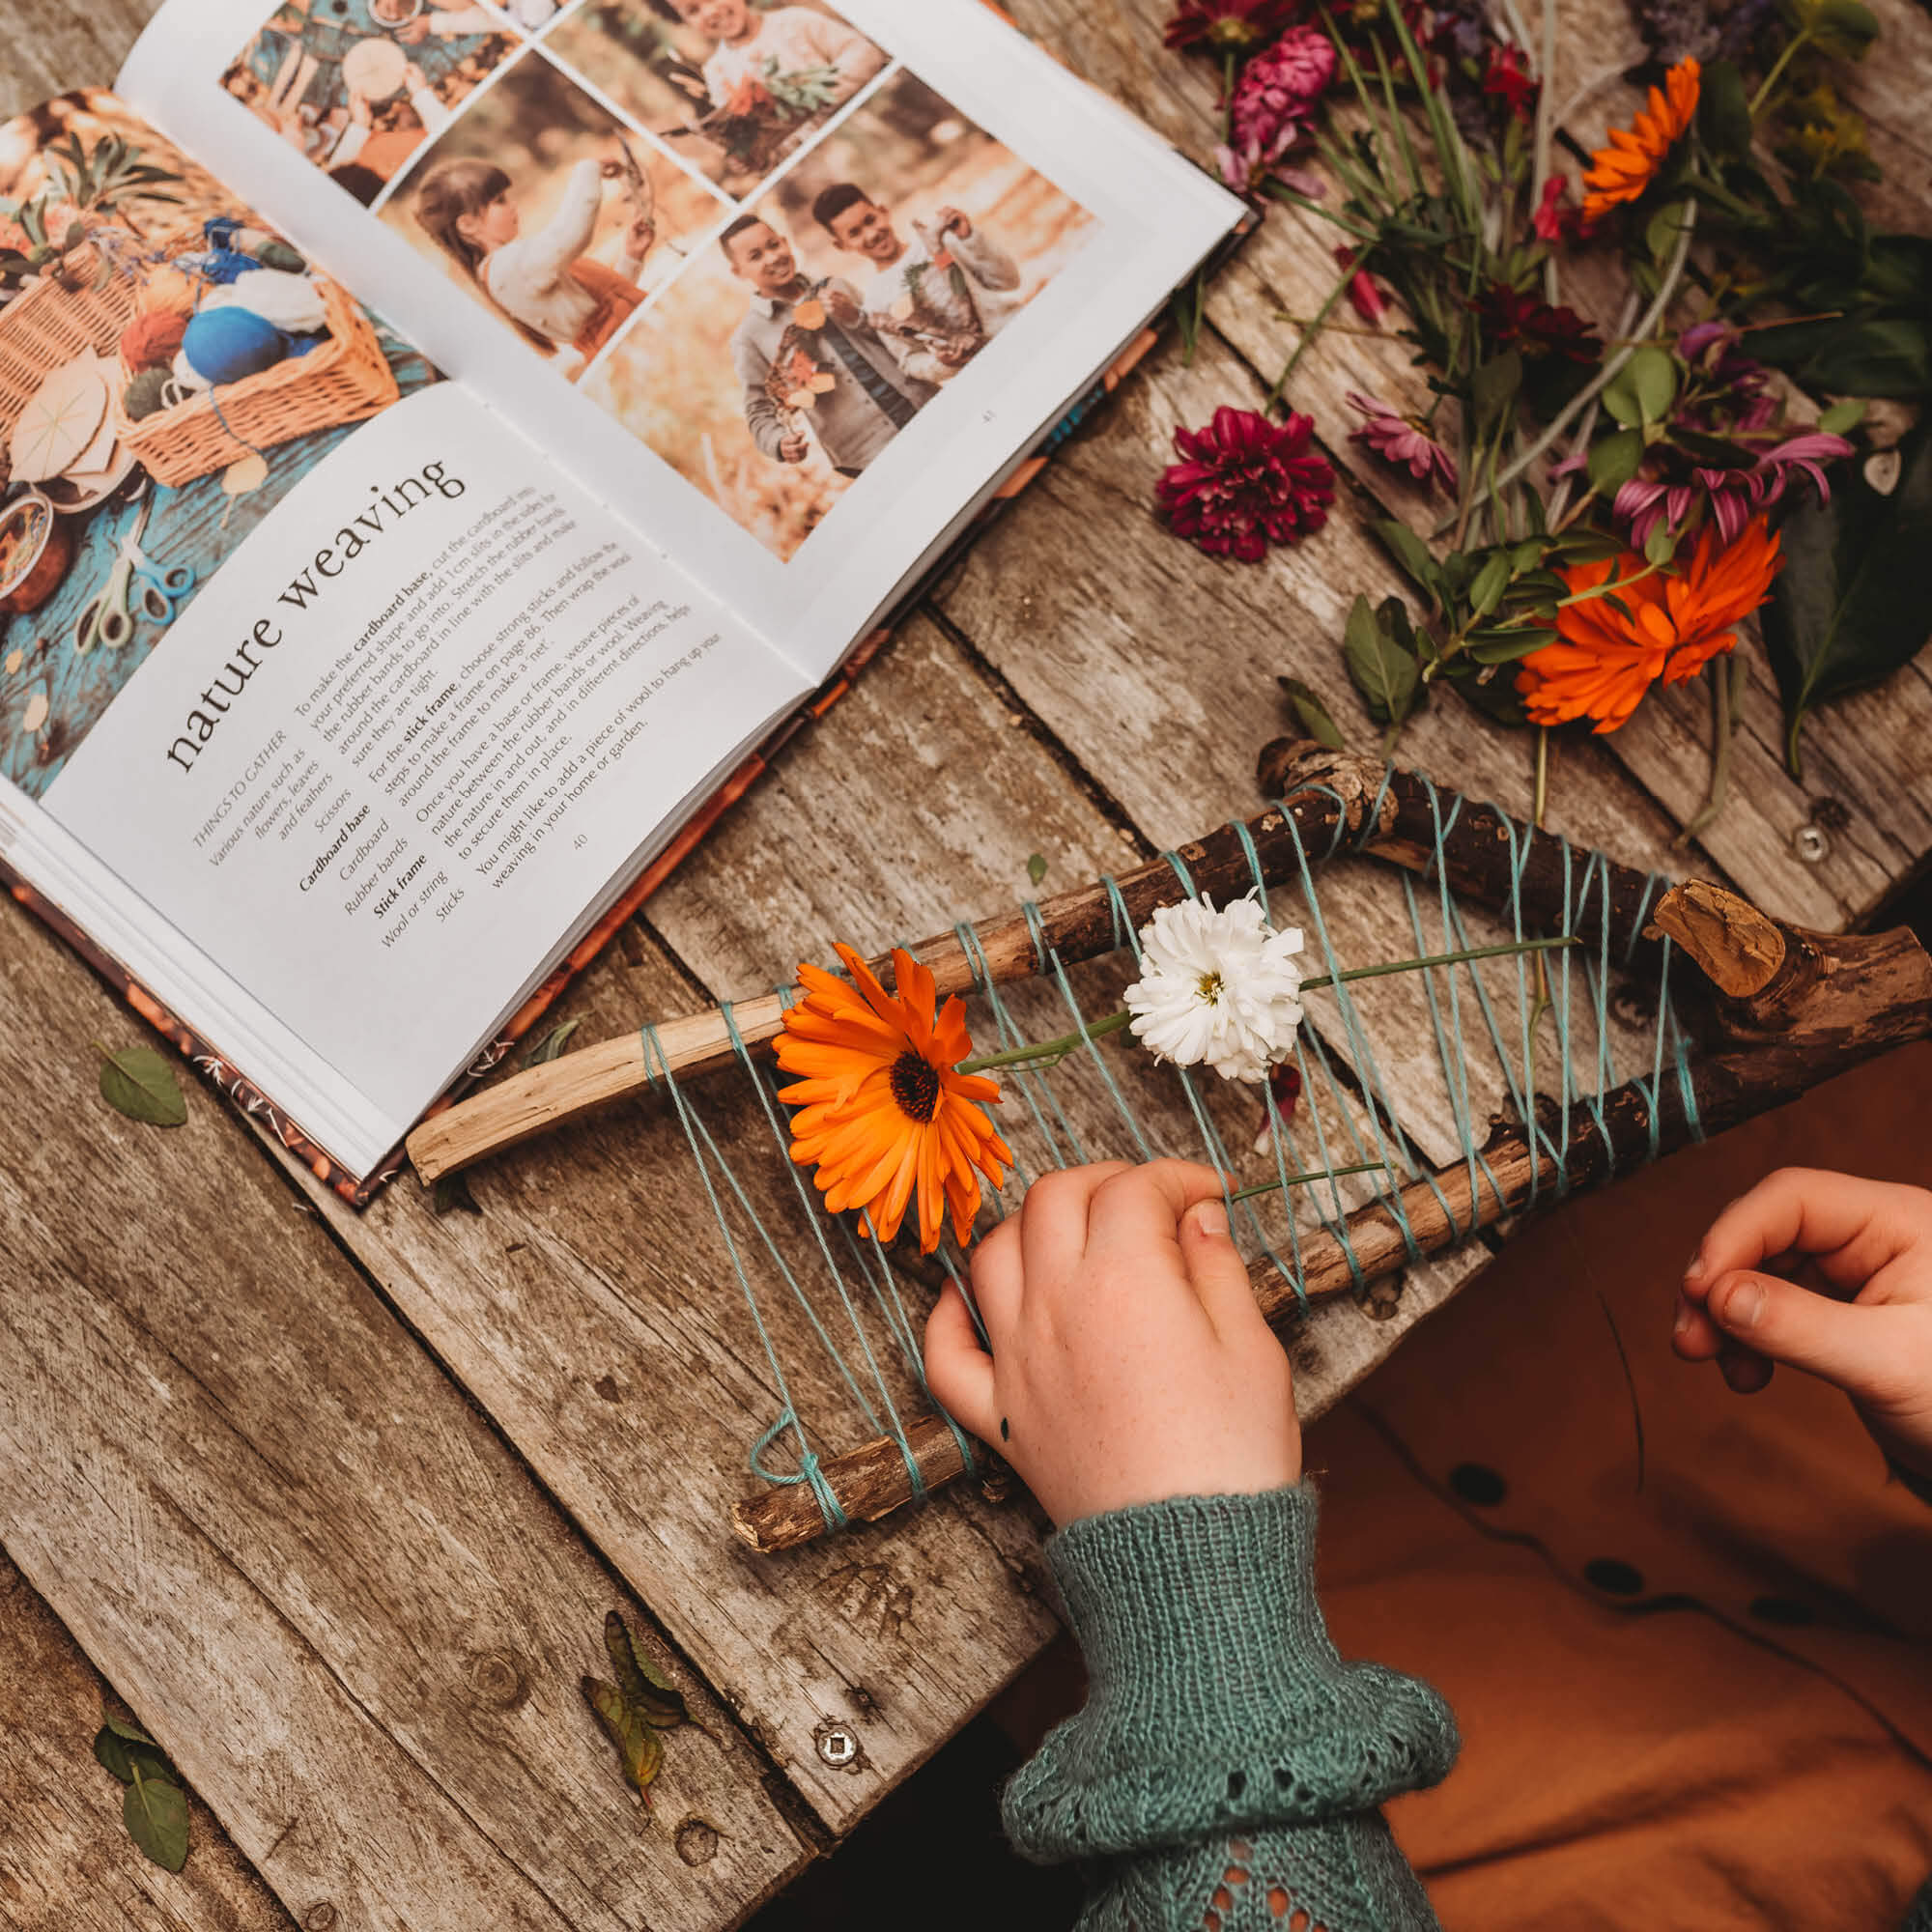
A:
(1854, 753)
(67, 1863)
(330, 1592)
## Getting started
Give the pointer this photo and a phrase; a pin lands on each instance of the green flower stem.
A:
(1058, 1049)
(1728, 680)
(1613, 367)
(1771, 80)
(1539, 170)
(1308, 335)
(1275, 1185)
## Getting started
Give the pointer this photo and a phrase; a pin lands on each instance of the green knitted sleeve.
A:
(1226, 1770)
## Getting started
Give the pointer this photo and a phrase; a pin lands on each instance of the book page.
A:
(793, 284)
(330, 707)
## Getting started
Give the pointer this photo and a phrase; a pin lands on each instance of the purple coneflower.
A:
(1401, 440)
(1730, 497)
(1244, 483)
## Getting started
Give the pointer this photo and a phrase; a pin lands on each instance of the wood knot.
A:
(496, 1679)
(320, 1918)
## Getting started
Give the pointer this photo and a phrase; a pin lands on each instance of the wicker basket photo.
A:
(344, 380)
(49, 324)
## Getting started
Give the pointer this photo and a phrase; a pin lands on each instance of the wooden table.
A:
(337, 1503)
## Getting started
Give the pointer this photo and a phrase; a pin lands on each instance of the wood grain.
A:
(329, 1591)
(67, 1863)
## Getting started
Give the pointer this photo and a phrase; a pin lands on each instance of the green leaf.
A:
(1379, 668)
(1723, 111)
(1495, 648)
(1661, 232)
(1614, 462)
(1852, 603)
(1036, 867)
(117, 1745)
(551, 1043)
(1660, 546)
(640, 1749)
(643, 1684)
(138, 1082)
(156, 1812)
(1886, 357)
(1408, 551)
(1491, 581)
(1841, 419)
(1590, 547)
(1653, 375)
(1843, 28)
(1712, 452)
(1493, 388)
(1312, 713)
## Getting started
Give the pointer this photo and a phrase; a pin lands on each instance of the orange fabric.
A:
(1686, 1753)
(616, 297)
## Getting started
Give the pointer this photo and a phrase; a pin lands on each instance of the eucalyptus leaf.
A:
(1661, 232)
(1380, 670)
(1620, 399)
(1854, 601)
(1311, 715)
(1660, 544)
(1653, 375)
(643, 1684)
(640, 1749)
(156, 1813)
(1036, 867)
(1841, 419)
(551, 1043)
(138, 1082)
(1614, 462)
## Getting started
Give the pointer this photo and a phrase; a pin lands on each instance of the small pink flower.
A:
(1554, 219)
(1244, 483)
(1730, 497)
(1508, 79)
(1364, 296)
(1400, 439)
(1274, 104)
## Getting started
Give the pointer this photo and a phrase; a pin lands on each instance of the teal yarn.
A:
(850, 1292)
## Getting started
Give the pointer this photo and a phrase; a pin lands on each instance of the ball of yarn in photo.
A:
(223, 345)
(146, 393)
(152, 339)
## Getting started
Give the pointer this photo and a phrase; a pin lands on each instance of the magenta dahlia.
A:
(1274, 103)
(1238, 27)
(1243, 483)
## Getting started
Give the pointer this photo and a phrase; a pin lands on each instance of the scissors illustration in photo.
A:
(135, 588)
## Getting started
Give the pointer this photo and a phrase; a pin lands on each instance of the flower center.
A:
(1209, 988)
(1232, 30)
(914, 1084)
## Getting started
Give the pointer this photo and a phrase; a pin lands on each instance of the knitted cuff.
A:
(1216, 1698)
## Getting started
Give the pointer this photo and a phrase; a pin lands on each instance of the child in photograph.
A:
(937, 299)
(805, 352)
(381, 137)
(562, 300)
(312, 82)
(811, 58)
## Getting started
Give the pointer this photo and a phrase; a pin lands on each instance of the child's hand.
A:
(1129, 1361)
(793, 448)
(1863, 1318)
(952, 221)
(843, 309)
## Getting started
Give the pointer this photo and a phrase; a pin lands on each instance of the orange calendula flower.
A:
(1604, 662)
(1621, 172)
(882, 1111)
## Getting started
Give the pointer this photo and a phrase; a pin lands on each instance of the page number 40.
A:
(581, 839)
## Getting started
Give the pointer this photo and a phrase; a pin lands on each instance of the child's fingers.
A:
(1850, 1226)
(999, 1280)
(1861, 1349)
(1745, 1371)
(1141, 1207)
(1053, 1218)
(1215, 1268)
(957, 1370)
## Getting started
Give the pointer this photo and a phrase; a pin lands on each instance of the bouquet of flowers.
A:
(763, 113)
(1626, 483)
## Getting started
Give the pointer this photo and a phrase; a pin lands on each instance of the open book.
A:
(441, 439)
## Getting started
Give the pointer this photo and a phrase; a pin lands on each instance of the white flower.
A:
(1217, 986)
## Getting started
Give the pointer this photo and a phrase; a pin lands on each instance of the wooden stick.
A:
(1808, 1005)
(1334, 798)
